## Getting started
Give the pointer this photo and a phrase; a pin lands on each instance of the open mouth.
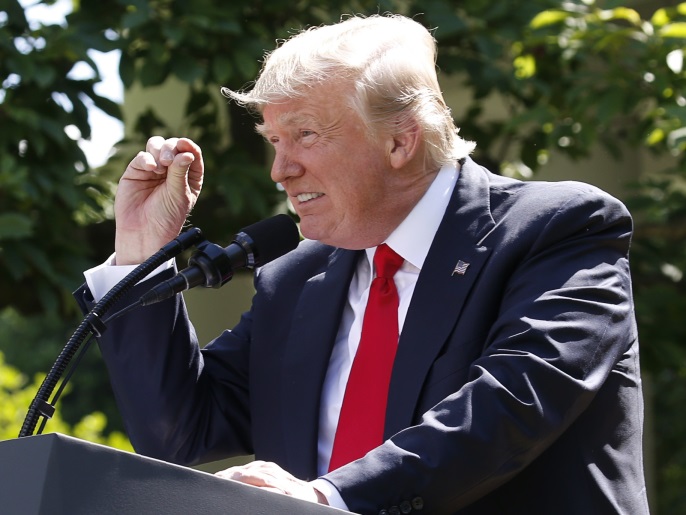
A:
(305, 197)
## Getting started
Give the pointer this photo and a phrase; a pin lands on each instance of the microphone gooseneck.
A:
(213, 266)
(92, 324)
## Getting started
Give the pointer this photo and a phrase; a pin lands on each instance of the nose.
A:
(285, 167)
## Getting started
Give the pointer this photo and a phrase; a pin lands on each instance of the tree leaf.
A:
(547, 18)
(153, 73)
(127, 70)
(660, 17)
(187, 70)
(221, 69)
(621, 13)
(14, 226)
(674, 30)
(525, 66)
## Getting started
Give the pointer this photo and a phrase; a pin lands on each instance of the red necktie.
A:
(361, 422)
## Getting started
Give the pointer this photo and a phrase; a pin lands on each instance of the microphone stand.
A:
(93, 324)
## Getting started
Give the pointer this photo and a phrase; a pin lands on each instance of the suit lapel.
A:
(440, 293)
(307, 359)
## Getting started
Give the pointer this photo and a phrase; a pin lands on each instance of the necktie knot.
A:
(387, 262)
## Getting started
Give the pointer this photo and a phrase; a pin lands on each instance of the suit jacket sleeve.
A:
(171, 407)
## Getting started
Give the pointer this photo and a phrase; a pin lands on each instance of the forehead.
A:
(284, 115)
(322, 105)
(279, 117)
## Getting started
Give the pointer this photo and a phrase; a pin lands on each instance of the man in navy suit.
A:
(515, 386)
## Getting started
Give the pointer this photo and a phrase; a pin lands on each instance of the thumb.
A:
(177, 171)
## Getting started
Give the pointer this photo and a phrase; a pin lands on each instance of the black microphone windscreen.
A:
(272, 238)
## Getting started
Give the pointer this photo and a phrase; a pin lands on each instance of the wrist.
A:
(133, 250)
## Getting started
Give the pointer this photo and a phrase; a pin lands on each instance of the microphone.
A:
(212, 266)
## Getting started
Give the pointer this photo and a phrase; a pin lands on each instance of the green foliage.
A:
(44, 179)
(48, 196)
(670, 426)
(32, 343)
(603, 75)
(16, 393)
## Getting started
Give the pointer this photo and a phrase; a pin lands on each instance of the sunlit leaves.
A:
(16, 394)
(524, 66)
(547, 18)
(655, 136)
(673, 30)
(620, 13)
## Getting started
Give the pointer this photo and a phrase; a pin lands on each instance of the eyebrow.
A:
(286, 119)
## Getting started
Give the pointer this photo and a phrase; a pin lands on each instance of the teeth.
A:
(304, 197)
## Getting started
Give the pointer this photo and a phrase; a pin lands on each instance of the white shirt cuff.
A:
(329, 491)
(104, 277)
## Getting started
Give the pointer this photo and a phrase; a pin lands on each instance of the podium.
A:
(54, 474)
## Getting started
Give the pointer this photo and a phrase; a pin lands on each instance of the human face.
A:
(340, 180)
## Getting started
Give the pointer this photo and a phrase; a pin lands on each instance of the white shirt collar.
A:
(413, 237)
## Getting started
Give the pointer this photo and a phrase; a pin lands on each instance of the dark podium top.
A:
(56, 474)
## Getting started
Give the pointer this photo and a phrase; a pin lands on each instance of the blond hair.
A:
(390, 62)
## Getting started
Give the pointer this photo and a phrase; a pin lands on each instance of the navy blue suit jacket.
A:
(516, 385)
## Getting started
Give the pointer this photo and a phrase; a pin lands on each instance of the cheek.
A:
(365, 191)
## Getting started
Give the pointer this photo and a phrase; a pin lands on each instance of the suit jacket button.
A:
(405, 507)
(383, 512)
(418, 503)
(393, 510)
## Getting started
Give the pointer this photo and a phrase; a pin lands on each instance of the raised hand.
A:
(155, 195)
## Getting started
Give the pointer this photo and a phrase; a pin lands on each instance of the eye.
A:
(307, 137)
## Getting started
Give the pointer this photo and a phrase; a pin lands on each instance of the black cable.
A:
(72, 368)
(67, 377)
(93, 324)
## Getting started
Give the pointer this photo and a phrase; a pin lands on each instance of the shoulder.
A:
(492, 198)
(530, 214)
(542, 201)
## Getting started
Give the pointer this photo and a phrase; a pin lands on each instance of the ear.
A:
(404, 145)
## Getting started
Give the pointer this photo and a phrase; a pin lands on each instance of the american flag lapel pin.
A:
(460, 268)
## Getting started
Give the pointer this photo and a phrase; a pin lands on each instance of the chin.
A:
(328, 237)
(312, 233)
(321, 237)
